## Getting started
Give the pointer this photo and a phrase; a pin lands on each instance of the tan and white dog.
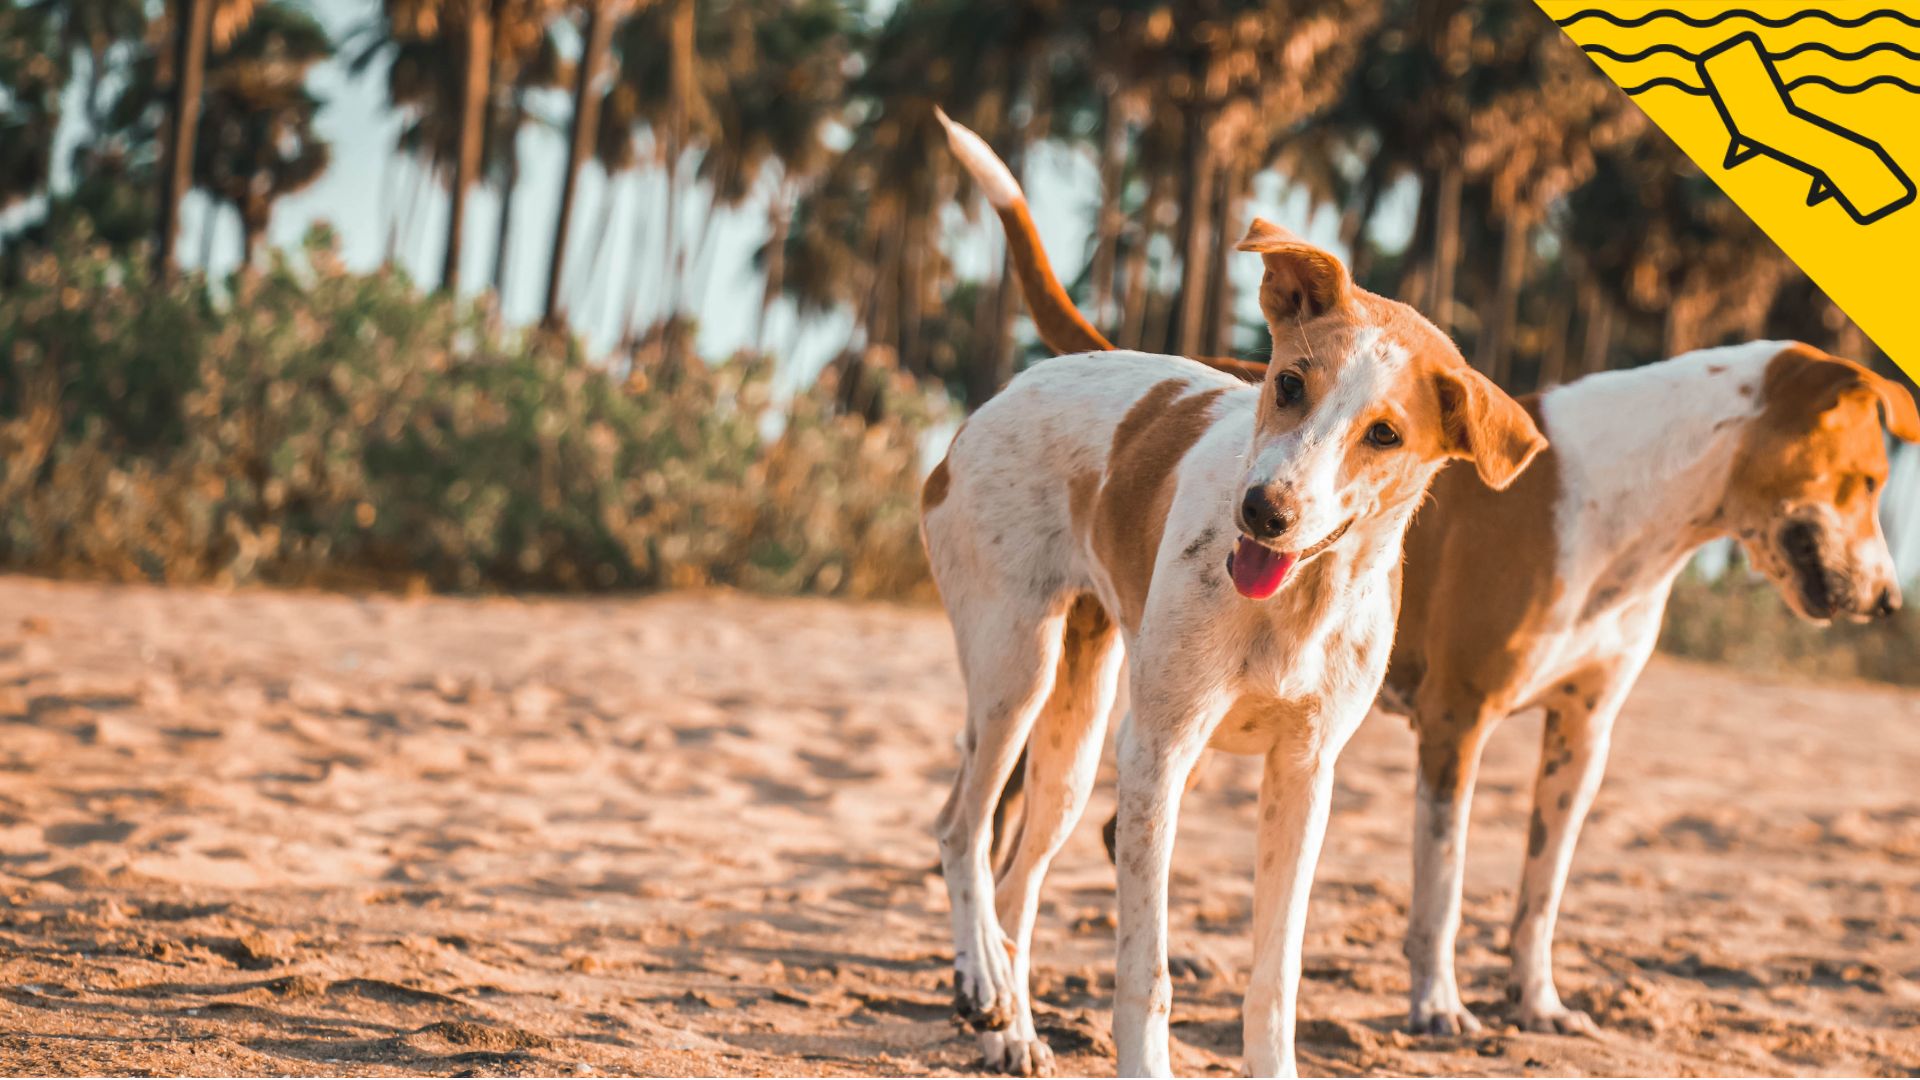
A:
(1772, 443)
(1550, 593)
(1242, 544)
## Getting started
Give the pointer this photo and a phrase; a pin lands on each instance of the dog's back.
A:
(1010, 506)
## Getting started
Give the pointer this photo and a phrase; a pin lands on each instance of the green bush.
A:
(311, 425)
(1739, 619)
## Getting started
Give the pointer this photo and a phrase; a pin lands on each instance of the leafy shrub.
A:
(313, 425)
(1739, 619)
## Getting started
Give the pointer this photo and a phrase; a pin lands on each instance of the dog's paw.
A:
(1444, 1021)
(1556, 1020)
(1192, 968)
(981, 1004)
(1007, 1053)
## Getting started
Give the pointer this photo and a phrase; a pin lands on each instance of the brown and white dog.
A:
(1550, 593)
(1242, 544)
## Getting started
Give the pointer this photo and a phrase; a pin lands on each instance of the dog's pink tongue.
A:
(1258, 570)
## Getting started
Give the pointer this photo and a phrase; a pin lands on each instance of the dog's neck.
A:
(1644, 458)
(1359, 563)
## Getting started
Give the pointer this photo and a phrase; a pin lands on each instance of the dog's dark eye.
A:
(1288, 388)
(1383, 436)
(1873, 484)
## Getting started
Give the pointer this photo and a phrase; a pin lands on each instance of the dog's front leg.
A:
(1159, 744)
(1451, 738)
(1296, 794)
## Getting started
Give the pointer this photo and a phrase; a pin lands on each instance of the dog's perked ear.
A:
(1302, 281)
(1820, 381)
(1486, 426)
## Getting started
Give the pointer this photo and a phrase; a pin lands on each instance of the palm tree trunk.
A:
(681, 50)
(1196, 226)
(912, 295)
(207, 222)
(1446, 245)
(253, 229)
(598, 35)
(1416, 263)
(583, 299)
(1219, 327)
(1494, 355)
(1353, 224)
(191, 21)
(1553, 360)
(1107, 226)
(477, 67)
(1599, 319)
(509, 186)
(639, 256)
(1134, 303)
(780, 214)
(96, 80)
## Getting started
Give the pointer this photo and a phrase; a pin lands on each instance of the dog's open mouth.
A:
(1818, 593)
(1258, 571)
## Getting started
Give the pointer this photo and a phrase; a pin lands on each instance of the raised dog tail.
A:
(1061, 325)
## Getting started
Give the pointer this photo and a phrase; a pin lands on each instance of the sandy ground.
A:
(272, 832)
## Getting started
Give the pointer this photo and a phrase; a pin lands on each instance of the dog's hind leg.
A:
(1573, 755)
(1063, 756)
(1008, 652)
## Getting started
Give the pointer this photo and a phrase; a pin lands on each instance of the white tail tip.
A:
(987, 169)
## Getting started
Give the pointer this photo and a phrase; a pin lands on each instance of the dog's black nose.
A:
(1888, 605)
(1263, 518)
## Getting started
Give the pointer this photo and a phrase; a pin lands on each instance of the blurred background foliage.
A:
(317, 426)
(300, 422)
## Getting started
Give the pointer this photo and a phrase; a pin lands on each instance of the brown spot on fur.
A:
(934, 491)
(1536, 834)
(1441, 661)
(1131, 512)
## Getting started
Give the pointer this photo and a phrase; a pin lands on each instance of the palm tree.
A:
(467, 26)
(518, 72)
(444, 54)
(195, 23)
(600, 18)
(257, 142)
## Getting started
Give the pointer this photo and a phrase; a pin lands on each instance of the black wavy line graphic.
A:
(1716, 20)
(1788, 54)
(1804, 80)
(1666, 80)
(1877, 80)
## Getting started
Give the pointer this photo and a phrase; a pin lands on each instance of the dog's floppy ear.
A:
(1897, 408)
(1820, 381)
(1483, 424)
(1302, 281)
(1896, 404)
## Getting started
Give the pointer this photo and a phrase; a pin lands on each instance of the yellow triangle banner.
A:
(1806, 112)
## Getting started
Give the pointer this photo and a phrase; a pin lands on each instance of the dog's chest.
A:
(1302, 685)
